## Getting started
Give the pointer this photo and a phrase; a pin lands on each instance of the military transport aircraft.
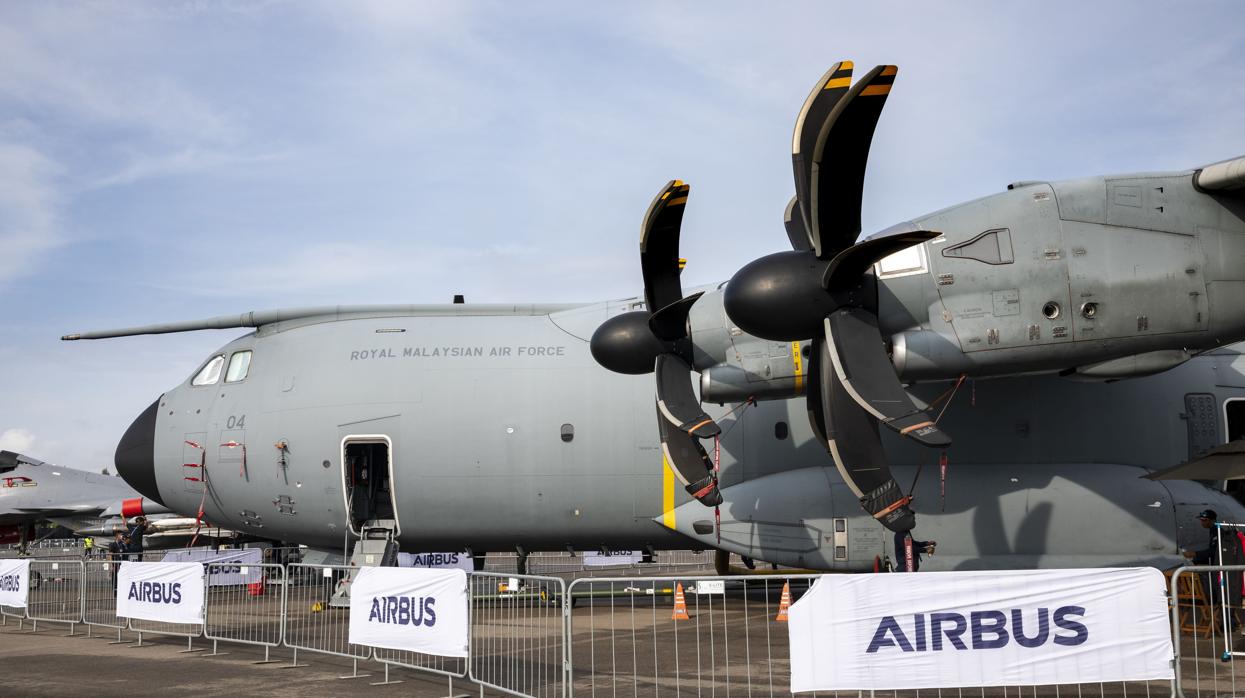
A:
(494, 427)
(86, 503)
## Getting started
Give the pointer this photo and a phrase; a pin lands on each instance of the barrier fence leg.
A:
(119, 641)
(294, 662)
(140, 639)
(355, 671)
(215, 652)
(386, 682)
(266, 659)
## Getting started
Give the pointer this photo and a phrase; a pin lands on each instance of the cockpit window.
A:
(210, 373)
(239, 366)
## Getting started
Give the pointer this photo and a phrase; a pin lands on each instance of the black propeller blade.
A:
(852, 385)
(659, 339)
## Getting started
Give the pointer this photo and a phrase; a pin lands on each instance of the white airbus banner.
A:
(421, 610)
(14, 582)
(166, 591)
(611, 558)
(231, 567)
(967, 629)
(438, 561)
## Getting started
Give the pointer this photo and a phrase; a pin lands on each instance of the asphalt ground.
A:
(49, 663)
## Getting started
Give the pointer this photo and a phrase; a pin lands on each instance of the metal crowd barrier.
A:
(311, 622)
(245, 603)
(99, 596)
(1210, 647)
(518, 634)
(629, 632)
(55, 593)
(539, 636)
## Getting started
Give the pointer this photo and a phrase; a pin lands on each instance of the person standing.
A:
(134, 538)
(908, 551)
(1206, 556)
(116, 554)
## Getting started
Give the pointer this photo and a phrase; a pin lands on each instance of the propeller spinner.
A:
(825, 290)
(659, 340)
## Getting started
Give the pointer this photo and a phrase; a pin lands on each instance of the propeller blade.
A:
(856, 447)
(670, 323)
(689, 462)
(820, 102)
(837, 177)
(858, 355)
(796, 232)
(677, 402)
(659, 246)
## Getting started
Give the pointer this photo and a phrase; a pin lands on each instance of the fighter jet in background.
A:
(493, 427)
(87, 504)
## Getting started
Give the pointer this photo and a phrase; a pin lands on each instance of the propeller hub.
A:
(626, 344)
(779, 297)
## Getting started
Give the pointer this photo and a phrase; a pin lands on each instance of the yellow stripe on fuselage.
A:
(667, 494)
(798, 363)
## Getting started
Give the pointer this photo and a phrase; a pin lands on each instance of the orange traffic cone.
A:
(680, 604)
(784, 603)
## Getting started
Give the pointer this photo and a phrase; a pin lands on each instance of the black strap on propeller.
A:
(690, 463)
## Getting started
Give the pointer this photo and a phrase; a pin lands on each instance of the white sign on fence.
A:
(437, 561)
(232, 567)
(954, 629)
(421, 610)
(165, 591)
(611, 558)
(14, 582)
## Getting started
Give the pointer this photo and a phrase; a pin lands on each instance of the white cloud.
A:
(18, 440)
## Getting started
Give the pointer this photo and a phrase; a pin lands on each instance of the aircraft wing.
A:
(1226, 462)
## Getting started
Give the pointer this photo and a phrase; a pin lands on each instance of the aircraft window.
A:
(905, 262)
(568, 432)
(239, 366)
(210, 373)
(780, 430)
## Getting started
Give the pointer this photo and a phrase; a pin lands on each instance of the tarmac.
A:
(50, 663)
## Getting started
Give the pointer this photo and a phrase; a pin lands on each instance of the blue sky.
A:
(174, 160)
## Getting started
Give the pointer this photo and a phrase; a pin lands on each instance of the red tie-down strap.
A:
(242, 465)
(202, 464)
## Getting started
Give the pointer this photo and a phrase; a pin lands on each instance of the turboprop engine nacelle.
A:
(1137, 271)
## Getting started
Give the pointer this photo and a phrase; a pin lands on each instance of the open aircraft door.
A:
(368, 481)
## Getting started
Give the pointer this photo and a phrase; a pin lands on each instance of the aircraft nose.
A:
(136, 454)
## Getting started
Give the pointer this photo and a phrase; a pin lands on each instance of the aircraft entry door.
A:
(367, 470)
